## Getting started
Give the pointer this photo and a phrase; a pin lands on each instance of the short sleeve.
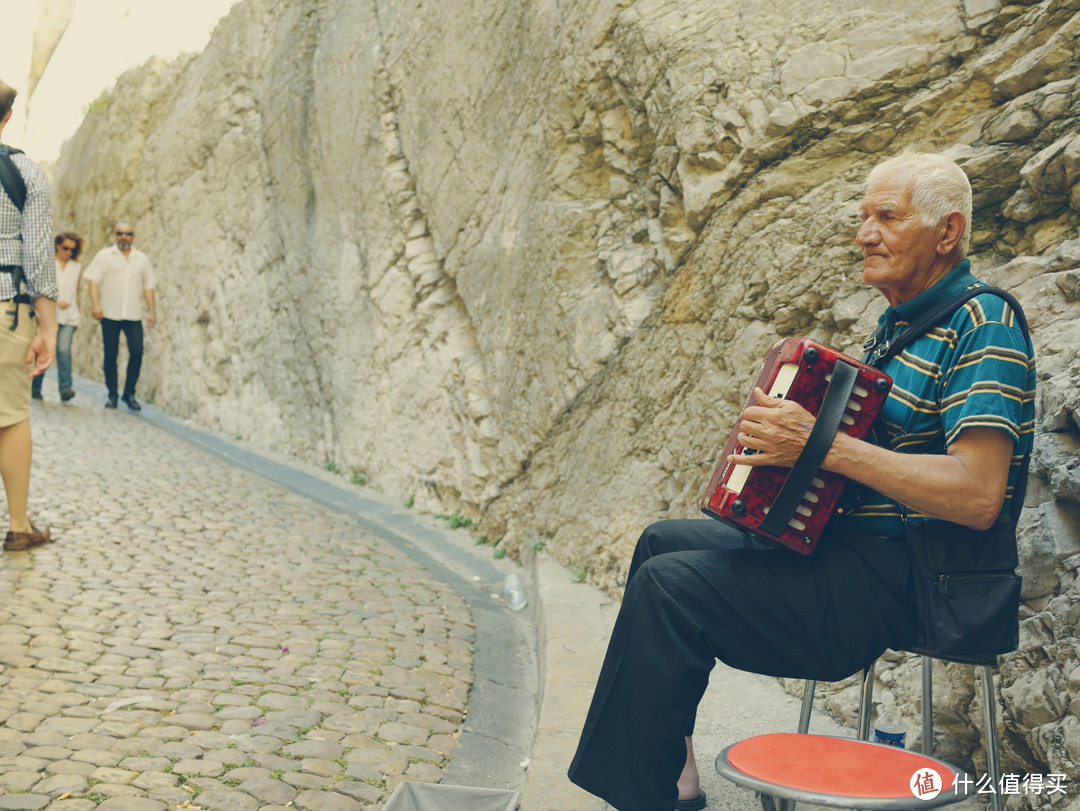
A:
(38, 261)
(94, 270)
(987, 383)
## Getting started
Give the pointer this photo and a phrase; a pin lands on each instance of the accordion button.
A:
(738, 508)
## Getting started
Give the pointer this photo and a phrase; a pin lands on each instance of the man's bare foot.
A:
(689, 781)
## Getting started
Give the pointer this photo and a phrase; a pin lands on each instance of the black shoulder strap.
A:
(11, 179)
(918, 328)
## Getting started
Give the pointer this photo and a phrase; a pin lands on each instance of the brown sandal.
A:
(18, 541)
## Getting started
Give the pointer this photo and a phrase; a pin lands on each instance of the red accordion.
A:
(791, 507)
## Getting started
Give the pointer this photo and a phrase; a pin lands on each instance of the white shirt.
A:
(123, 280)
(67, 279)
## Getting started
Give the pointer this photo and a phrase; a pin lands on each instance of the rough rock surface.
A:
(523, 260)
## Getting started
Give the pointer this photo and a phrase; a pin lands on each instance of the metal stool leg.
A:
(928, 706)
(866, 701)
(993, 767)
(807, 705)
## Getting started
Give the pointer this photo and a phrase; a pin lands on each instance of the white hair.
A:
(937, 186)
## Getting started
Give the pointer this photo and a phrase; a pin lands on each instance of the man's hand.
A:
(151, 320)
(42, 348)
(63, 305)
(95, 300)
(776, 429)
(41, 354)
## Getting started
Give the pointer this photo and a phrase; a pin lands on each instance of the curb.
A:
(575, 623)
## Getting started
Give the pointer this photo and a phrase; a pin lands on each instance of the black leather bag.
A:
(967, 592)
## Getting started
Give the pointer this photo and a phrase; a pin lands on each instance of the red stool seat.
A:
(840, 772)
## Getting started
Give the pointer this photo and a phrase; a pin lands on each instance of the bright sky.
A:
(105, 38)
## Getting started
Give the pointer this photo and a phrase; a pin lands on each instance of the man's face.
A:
(899, 252)
(125, 235)
(65, 249)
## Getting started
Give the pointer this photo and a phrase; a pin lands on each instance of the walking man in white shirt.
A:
(120, 279)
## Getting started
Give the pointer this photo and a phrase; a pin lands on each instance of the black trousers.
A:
(695, 594)
(110, 337)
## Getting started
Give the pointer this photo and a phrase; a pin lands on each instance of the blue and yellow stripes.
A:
(976, 370)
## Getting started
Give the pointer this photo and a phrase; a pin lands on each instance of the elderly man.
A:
(120, 279)
(28, 290)
(953, 435)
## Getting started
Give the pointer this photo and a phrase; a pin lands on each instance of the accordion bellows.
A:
(798, 369)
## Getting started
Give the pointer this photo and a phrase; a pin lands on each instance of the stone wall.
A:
(524, 260)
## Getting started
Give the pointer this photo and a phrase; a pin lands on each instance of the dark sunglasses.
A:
(125, 233)
(67, 247)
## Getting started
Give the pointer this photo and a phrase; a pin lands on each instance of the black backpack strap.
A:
(14, 186)
(11, 179)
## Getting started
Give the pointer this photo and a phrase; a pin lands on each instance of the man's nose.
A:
(866, 234)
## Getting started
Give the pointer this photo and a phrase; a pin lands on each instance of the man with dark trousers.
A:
(27, 321)
(953, 436)
(121, 278)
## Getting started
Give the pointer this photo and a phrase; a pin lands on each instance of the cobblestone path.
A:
(200, 637)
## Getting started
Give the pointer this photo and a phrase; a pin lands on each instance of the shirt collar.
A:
(948, 286)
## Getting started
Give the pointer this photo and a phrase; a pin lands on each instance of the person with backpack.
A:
(27, 300)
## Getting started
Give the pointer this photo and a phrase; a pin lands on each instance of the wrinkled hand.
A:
(97, 313)
(151, 320)
(41, 353)
(776, 428)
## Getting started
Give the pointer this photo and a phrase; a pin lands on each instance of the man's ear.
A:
(954, 229)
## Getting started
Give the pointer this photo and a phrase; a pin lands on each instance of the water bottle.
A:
(514, 594)
(887, 726)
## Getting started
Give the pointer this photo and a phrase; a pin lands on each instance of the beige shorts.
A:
(14, 373)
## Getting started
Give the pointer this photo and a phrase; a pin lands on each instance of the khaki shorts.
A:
(14, 373)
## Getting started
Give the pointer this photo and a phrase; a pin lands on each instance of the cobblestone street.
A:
(200, 637)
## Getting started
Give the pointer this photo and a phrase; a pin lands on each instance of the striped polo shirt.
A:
(977, 368)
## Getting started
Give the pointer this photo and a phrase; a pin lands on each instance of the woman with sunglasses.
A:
(68, 272)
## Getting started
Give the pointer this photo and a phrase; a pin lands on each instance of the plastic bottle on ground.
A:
(514, 594)
(887, 727)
